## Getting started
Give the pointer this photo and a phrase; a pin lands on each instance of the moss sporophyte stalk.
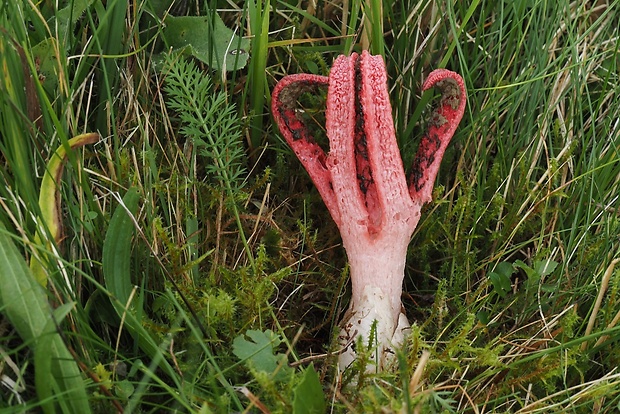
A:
(362, 182)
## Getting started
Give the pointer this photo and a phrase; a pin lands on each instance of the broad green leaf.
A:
(259, 353)
(308, 394)
(544, 267)
(66, 17)
(533, 277)
(534, 274)
(483, 317)
(208, 40)
(504, 268)
(46, 64)
(124, 389)
(43, 362)
(24, 302)
(116, 264)
(531, 273)
(501, 283)
(117, 249)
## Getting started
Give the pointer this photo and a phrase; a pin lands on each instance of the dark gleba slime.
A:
(363, 185)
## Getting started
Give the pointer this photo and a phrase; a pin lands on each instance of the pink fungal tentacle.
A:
(388, 173)
(340, 123)
(443, 123)
(285, 112)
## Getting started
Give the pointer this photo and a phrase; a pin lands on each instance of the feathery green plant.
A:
(210, 121)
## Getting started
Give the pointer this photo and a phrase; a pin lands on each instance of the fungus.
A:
(362, 182)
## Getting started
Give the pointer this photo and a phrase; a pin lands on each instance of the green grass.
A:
(198, 269)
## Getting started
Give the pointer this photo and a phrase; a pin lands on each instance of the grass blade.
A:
(259, 24)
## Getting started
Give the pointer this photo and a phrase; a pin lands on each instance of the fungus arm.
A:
(286, 114)
(443, 123)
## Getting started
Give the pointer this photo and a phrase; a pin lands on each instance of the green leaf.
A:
(533, 277)
(116, 263)
(259, 353)
(125, 389)
(208, 40)
(66, 17)
(504, 268)
(42, 360)
(500, 278)
(117, 248)
(44, 54)
(534, 274)
(544, 267)
(308, 394)
(501, 283)
(483, 317)
(24, 302)
(530, 273)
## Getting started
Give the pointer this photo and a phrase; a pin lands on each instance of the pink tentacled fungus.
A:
(362, 182)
